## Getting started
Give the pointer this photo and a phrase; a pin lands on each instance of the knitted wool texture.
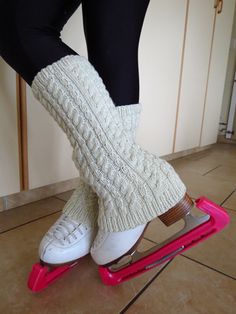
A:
(83, 203)
(133, 185)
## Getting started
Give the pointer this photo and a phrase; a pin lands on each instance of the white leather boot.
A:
(109, 246)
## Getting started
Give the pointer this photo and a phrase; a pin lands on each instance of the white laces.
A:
(64, 229)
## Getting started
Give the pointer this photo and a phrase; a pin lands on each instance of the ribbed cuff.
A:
(83, 205)
(173, 191)
(131, 113)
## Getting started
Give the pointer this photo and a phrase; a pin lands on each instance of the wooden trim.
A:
(22, 132)
(180, 77)
(18, 128)
(208, 75)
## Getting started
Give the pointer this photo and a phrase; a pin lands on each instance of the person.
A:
(95, 100)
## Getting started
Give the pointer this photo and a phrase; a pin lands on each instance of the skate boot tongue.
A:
(64, 230)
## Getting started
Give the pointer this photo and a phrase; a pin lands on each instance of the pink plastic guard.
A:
(40, 276)
(217, 221)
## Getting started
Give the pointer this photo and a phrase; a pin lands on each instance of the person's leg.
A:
(107, 44)
(112, 31)
(133, 185)
(30, 33)
(105, 41)
(30, 40)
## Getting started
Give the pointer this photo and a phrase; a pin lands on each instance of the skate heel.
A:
(178, 211)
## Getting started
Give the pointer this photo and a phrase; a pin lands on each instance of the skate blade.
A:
(196, 230)
(41, 276)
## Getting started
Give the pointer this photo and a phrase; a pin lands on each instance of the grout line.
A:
(150, 240)
(233, 211)
(61, 199)
(221, 204)
(144, 288)
(214, 269)
(211, 170)
(28, 222)
(196, 261)
(29, 203)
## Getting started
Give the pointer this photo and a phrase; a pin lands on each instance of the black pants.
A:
(30, 39)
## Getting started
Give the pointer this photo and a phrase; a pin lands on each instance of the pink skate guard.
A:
(40, 276)
(196, 230)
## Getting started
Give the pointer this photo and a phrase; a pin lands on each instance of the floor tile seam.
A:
(61, 199)
(232, 211)
(207, 266)
(196, 261)
(211, 170)
(150, 240)
(33, 202)
(230, 194)
(28, 222)
(144, 288)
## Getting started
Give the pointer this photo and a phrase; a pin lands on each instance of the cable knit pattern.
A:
(83, 203)
(134, 186)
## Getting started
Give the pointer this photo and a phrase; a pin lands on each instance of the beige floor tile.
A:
(184, 286)
(224, 173)
(188, 288)
(79, 291)
(197, 185)
(231, 202)
(199, 165)
(225, 157)
(223, 154)
(223, 148)
(65, 195)
(20, 215)
(218, 252)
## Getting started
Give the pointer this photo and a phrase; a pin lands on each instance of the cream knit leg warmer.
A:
(134, 186)
(83, 203)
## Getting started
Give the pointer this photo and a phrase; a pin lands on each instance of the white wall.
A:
(231, 67)
(159, 64)
(49, 150)
(9, 162)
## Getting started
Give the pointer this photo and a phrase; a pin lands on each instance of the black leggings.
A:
(30, 39)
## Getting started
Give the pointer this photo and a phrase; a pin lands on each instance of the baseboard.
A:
(222, 139)
(25, 197)
(187, 152)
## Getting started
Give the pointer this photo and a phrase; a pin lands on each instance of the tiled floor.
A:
(202, 280)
